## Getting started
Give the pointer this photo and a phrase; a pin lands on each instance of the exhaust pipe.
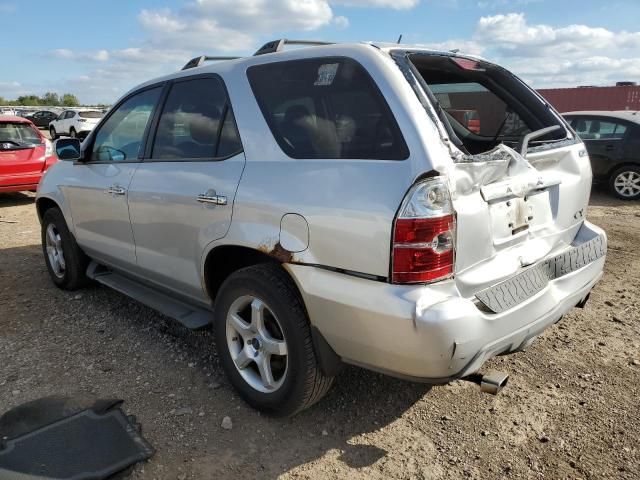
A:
(491, 382)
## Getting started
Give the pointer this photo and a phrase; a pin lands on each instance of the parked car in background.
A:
(74, 123)
(42, 118)
(7, 111)
(317, 206)
(613, 143)
(25, 154)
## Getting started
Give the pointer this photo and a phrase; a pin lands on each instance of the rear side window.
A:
(326, 108)
(594, 129)
(196, 123)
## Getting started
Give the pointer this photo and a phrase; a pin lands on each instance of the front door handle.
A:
(115, 190)
(210, 197)
(609, 148)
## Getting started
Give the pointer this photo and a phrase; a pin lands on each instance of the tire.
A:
(72, 133)
(52, 133)
(297, 381)
(624, 183)
(58, 242)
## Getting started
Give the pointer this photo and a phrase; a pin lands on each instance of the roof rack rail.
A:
(196, 62)
(278, 45)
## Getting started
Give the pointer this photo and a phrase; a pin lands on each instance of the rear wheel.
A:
(72, 133)
(66, 262)
(52, 133)
(624, 183)
(264, 341)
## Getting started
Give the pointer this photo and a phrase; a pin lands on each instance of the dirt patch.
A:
(570, 409)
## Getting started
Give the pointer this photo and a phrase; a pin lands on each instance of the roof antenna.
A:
(400, 38)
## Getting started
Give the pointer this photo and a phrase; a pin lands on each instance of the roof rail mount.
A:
(278, 45)
(197, 61)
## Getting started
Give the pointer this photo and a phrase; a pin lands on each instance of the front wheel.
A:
(625, 183)
(264, 341)
(52, 133)
(66, 262)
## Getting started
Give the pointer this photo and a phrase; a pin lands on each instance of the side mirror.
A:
(68, 148)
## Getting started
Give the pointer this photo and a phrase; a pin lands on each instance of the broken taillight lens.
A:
(424, 234)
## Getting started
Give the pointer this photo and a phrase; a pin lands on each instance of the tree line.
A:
(49, 99)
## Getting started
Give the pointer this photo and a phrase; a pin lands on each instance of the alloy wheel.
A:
(627, 184)
(55, 252)
(256, 344)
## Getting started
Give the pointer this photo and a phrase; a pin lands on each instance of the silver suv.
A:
(409, 211)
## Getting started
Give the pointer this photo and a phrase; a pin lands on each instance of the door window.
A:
(196, 123)
(70, 115)
(120, 137)
(326, 108)
(595, 129)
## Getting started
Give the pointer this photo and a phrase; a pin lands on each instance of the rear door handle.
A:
(609, 148)
(115, 190)
(210, 197)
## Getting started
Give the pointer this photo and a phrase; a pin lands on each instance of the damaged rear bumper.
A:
(431, 333)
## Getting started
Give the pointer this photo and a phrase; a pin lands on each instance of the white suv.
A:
(74, 123)
(326, 205)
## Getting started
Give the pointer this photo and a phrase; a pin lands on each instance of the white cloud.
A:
(559, 56)
(542, 54)
(65, 53)
(396, 4)
(340, 21)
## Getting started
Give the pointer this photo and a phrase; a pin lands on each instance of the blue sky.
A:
(100, 49)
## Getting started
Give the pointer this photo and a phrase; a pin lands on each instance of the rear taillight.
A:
(424, 234)
(48, 149)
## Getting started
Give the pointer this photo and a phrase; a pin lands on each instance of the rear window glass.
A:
(478, 110)
(19, 133)
(326, 108)
(91, 114)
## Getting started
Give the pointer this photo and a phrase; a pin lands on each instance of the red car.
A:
(25, 154)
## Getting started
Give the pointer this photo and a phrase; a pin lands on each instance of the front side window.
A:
(326, 108)
(595, 129)
(120, 137)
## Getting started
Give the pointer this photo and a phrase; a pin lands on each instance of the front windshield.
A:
(18, 133)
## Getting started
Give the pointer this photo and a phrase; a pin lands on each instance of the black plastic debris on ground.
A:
(69, 438)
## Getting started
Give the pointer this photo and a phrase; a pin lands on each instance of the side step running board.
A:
(190, 316)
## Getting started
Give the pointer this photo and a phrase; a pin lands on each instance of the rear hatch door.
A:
(22, 153)
(520, 179)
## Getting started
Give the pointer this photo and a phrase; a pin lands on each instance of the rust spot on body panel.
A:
(278, 252)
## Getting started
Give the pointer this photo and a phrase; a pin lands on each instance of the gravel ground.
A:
(570, 409)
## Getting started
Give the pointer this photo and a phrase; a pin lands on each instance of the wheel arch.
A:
(618, 166)
(224, 260)
(45, 203)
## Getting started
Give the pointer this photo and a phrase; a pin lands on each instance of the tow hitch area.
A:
(491, 382)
